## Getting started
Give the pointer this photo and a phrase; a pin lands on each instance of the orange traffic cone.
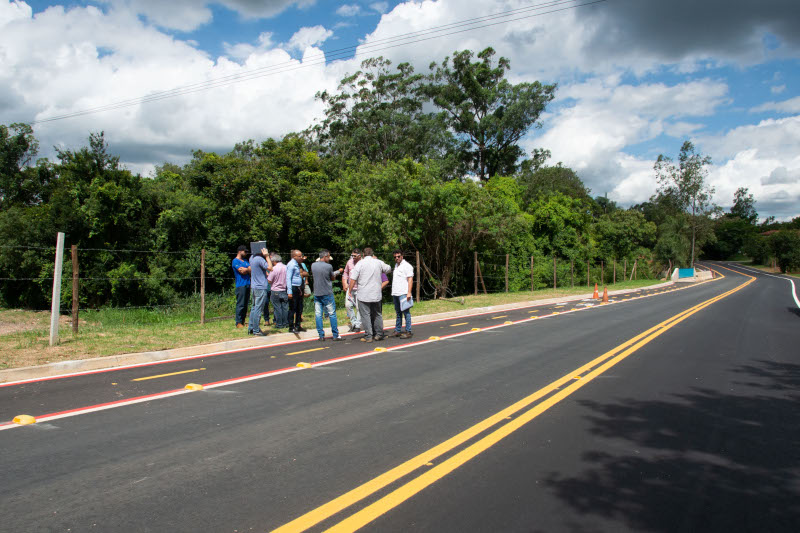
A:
(595, 296)
(605, 295)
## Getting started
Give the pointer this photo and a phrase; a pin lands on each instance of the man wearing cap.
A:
(241, 273)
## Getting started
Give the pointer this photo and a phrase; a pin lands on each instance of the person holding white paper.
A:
(402, 281)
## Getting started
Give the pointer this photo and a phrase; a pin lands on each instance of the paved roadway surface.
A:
(670, 410)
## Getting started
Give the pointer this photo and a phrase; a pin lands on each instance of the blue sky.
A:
(636, 78)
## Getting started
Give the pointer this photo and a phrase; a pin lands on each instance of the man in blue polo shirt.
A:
(241, 272)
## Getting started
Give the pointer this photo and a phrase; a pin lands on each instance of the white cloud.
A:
(777, 89)
(241, 51)
(380, 7)
(188, 15)
(593, 122)
(762, 157)
(781, 176)
(348, 10)
(787, 106)
(308, 37)
(10, 11)
(63, 61)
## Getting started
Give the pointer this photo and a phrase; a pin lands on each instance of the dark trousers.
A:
(266, 307)
(296, 307)
(242, 302)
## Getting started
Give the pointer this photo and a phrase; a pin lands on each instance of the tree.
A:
(21, 183)
(685, 185)
(786, 247)
(479, 104)
(549, 180)
(378, 115)
(622, 232)
(744, 206)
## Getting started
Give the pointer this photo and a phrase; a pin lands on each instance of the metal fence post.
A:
(55, 307)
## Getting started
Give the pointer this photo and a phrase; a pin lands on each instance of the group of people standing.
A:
(266, 279)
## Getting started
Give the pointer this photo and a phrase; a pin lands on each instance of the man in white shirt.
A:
(402, 281)
(367, 273)
(351, 297)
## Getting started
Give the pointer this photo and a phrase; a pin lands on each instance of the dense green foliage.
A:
(426, 163)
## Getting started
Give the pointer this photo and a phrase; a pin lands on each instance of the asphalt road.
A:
(671, 411)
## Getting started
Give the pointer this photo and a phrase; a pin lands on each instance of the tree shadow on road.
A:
(701, 461)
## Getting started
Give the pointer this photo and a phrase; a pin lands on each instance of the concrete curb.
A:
(112, 361)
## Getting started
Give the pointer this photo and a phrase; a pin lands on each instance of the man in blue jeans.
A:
(402, 281)
(241, 271)
(259, 266)
(323, 275)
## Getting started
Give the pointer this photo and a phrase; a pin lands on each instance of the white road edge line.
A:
(794, 289)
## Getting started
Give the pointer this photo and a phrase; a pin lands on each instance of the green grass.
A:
(24, 335)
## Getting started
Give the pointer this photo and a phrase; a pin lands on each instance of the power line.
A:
(369, 48)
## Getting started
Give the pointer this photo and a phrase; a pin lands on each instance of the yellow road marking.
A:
(395, 498)
(170, 374)
(306, 351)
(459, 324)
(500, 316)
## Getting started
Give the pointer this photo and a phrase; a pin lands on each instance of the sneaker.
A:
(299, 329)
(322, 339)
(366, 339)
(239, 326)
(406, 335)
(397, 333)
(350, 329)
(379, 337)
(356, 330)
(338, 339)
(259, 334)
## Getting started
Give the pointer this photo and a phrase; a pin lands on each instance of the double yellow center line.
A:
(555, 392)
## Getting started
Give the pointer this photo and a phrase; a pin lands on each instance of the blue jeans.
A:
(280, 302)
(398, 325)
(327, 305)
(258, 300)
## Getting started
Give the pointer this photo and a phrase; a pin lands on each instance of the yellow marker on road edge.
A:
(303, 365)
(24, 420)
(600, 365)
(193, 386)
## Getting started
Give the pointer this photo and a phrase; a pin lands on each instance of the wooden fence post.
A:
(476, 273)
(419, 270)
(203, 286)
(74, 289)
(506, 272)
